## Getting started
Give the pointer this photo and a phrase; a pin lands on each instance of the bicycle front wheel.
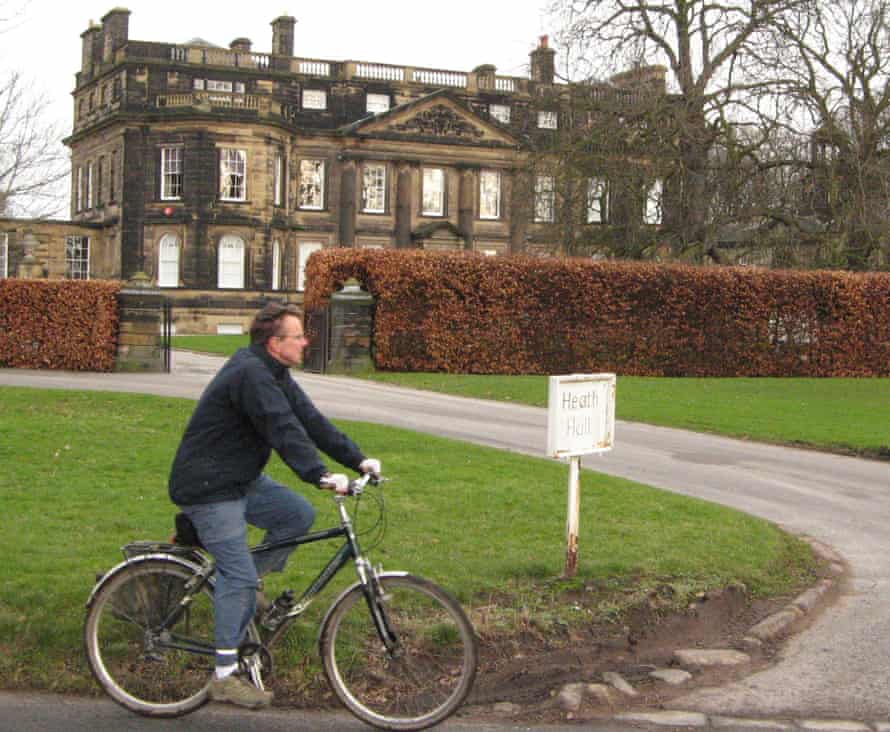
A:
(430, 672)
(149, 669)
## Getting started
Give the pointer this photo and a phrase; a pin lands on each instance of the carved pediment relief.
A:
(440, 121)
(434, 117)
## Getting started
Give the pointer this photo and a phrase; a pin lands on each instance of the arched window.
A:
(168, 261)
(276, 265)
(231, 262)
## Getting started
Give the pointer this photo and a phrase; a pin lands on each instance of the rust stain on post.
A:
(572, 556)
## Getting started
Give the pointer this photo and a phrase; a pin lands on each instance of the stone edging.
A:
(771, 628)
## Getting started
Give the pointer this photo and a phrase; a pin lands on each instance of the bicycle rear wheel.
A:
(429, 675)
(136, 662)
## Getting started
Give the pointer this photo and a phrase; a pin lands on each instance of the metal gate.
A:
(318, 352)
(166, 332)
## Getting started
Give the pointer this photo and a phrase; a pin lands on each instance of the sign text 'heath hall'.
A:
(580, 423)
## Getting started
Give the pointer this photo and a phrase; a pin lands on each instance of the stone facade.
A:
(219, 170)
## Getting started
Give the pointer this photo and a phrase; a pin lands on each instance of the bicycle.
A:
(398, 650)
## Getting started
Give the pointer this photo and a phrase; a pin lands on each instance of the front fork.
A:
(376, 599)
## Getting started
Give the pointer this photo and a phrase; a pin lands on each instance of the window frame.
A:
(319, 173)
(111, 176)
(278, 179)
(165, 281)
(653, 203)
(4, 255)
(424, 210)
(548, 119)
(545, 199)
(483, 174)
(504, 119)
(77, 261)
(236, 155)
(379, 98)
(78, 189)
(379, 184)
(231, 239)
(276, 264)
(598, 192)
(314, 106)
(312, 246)
(88, 189)
(171, 179)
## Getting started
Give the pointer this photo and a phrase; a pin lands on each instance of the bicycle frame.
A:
(350, 550)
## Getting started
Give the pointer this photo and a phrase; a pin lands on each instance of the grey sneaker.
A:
(237, 690)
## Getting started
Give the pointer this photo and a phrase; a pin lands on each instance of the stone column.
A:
(347, 203)
(466, 206)
(521, 202)
(403, 206)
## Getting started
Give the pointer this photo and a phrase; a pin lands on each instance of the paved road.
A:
(837, 669)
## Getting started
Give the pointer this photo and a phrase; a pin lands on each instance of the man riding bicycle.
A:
(252, 406)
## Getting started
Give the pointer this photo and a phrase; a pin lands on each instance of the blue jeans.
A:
(222, 527)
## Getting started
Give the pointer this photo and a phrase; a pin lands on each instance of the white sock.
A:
(223, 671)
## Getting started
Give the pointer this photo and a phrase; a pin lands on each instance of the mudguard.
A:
(191, 560)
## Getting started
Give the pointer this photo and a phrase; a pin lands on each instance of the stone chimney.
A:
(92, 38)
(115, 32)
(283, 35)
(543, 62)
(485, 76)
(241, 45)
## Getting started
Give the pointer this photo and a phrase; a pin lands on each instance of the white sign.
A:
(581, 414)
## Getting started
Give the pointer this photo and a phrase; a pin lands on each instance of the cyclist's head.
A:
(267, 322)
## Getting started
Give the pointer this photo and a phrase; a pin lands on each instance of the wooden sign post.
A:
(580, 421)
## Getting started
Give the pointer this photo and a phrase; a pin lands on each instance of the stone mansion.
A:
(216, 172)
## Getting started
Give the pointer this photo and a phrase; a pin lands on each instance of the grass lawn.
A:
(836, 414)
(847, 415)
(86, 472)
(221, 345)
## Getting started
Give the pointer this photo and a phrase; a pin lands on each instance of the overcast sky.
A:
(42, 37)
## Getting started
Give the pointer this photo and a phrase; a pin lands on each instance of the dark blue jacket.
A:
(251, 407)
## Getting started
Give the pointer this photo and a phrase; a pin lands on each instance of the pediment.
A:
(435, 118)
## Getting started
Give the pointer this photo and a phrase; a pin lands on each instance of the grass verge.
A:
(86, 472)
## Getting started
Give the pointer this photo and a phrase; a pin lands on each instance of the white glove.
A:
(336, 482)
(369, 465)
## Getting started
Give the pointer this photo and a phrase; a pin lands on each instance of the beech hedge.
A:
(68, 324)
(465, 313)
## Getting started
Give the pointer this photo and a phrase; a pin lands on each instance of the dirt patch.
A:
(523, 675)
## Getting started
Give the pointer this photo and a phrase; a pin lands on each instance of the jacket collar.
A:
(277, 368)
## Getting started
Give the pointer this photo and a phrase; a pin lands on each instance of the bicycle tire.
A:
(437, 667)
(151, 681)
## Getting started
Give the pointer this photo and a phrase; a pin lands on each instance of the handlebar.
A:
(357, 485)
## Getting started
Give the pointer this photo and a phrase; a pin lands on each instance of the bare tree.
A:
(33, 162)
(704, 46)
(836, 62)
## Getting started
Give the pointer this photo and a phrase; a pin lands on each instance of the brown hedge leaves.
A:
(58, 324)
(465, 313)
